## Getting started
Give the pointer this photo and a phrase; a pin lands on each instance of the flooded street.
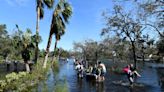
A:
(82, 46)
(149, 82)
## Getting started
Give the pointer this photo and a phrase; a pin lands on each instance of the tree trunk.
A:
(37, 34)
(54, 57)
(96, 54)
(134, 54)
(143, 54)
(47, 50)
(85, 58)
(6, 58)
(27, 67)
(16, 66)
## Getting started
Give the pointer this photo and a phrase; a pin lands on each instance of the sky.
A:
(85, 23)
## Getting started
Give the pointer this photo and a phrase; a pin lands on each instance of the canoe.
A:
(90, 76)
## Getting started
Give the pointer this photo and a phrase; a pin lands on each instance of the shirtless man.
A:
(103, 70)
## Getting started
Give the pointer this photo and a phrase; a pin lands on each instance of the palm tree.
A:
(62, 13)
(26, 42)
(57, 37)
(40, 15)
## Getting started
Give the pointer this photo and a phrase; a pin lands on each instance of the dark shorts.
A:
(130, 78)
(102, 73)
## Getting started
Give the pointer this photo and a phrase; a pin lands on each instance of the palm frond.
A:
(41, 13)
(67, 12)
(40, 7)
(29, 31)
(61, 23)
(49, 3)
(40, 4)
(54, 27)
(61, 14)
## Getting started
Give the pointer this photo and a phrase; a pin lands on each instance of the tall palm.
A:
(57, 37)
(62, 13)
(40, 14)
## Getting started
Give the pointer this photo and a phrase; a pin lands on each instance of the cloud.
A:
(10, 2)
(17, 2)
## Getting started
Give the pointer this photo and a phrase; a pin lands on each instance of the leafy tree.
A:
(42, 52)
(155, 9)
(33, 39)
(160, 45)
(80, 50)
(3, 32)
(17, 43)
(151, 12)
(5, 42)
(64, 53)
(27, 45)
(124, 26)
(90, 50)
(23, 44)
(61, 14)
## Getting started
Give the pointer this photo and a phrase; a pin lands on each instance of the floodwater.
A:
(150, 80)
(13, 67)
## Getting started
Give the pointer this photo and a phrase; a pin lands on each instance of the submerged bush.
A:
(117, 70)
(55, 66)
(61, 86)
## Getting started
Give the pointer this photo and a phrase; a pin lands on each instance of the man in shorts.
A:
(103, 70)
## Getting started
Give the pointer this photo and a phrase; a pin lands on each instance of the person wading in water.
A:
(102, 68)
(79, 67)
(131, 72)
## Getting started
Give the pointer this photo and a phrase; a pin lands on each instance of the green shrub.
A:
(13, 76)
(22, 81)
(2, 85)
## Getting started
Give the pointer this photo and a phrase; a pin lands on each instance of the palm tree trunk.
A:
(54, 57)
(47, 50)
(37, 34)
